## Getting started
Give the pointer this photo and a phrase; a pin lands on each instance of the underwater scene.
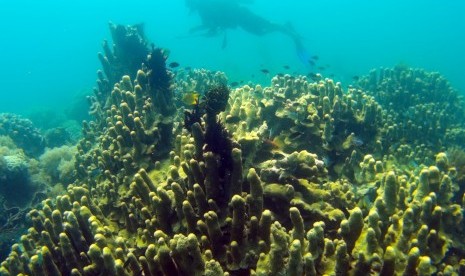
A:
(232, 137)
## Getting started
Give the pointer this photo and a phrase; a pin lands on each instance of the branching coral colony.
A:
(298, 178)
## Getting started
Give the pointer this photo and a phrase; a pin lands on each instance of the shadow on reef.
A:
(300, 177)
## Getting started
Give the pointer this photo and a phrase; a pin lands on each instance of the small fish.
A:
(40, 258)
(355, 78)
(96, 172)
(286, 67)
(191, 98)
(187, 68)
(173, 64)
(274, 144)
(293, 115)
(234, 83)
(295, 135)
(315, 57)
(232, 119)
(321, 68)
(352, 141)
(413, 164)
(312, 63)
(265, 71)
(327, 160)
(357, 141)
(313, 76)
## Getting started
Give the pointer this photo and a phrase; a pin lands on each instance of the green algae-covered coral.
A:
(304, 182)
(296, 114)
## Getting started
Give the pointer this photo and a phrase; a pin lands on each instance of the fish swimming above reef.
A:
(191, 98)
(220, 15)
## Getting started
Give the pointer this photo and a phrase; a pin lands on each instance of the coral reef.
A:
(23, 133)
(199, 80)
(18, 192)
(129, 51)
(57, 164)
(294, 114)
(19, 187)
(57, 137)
(132, 130)
(15, 181)
(159, 82)
(423, 108)
(57, 129)
(298, 178)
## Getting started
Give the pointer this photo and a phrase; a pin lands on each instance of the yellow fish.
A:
(191, 98)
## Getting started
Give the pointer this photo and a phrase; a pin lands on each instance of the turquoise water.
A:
(49, 48)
